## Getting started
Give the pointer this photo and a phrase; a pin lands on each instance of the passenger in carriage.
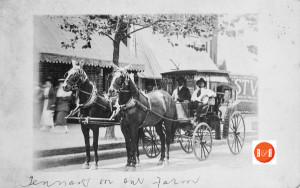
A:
(199, 94)
(181, 93)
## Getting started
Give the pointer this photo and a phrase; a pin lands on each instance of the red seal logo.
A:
(264, 152)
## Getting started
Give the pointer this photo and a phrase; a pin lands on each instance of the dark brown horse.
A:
(91, 104)
(139, 110)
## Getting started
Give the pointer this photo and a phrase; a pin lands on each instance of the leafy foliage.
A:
(116, 27)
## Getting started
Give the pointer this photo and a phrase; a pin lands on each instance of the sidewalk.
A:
(74, 138)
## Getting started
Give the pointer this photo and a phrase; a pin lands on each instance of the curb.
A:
(71, 156)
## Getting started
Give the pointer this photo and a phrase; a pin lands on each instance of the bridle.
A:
(81, 79)
(124, 83)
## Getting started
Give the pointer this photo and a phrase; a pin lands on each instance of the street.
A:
(220, 157)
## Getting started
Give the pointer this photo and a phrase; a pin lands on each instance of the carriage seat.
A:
(182, 109)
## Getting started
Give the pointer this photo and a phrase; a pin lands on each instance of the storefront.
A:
(247, 89)
(53, 60)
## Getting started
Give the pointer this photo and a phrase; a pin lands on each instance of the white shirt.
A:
(175, 93)
(204, 92)
(62, 93)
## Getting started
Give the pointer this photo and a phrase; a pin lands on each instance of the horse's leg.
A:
(160, 132)
(95, 146)
(85, 130)
(140, 135)
(133, 146)
(127, 142)
(168, 139)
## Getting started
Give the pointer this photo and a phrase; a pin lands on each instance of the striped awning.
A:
(47, 43)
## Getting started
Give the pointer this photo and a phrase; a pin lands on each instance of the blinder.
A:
(123, 83)
(81, 79)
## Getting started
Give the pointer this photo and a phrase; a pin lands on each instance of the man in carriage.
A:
(201, 95)
(200, 98)
(181, 93)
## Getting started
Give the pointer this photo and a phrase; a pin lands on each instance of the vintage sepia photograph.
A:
(144, 92)
(149, 94)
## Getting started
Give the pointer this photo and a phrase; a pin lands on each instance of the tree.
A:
(116, 28)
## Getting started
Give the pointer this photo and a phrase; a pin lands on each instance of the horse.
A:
(138, 110)
(90, 104)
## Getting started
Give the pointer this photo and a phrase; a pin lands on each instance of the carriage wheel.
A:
(202, 141)
(151, 142)
(236, 135)
(185, 141)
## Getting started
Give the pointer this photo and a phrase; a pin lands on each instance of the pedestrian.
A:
(181, 93)
(63, 100)
(49, 105)
(37, 104)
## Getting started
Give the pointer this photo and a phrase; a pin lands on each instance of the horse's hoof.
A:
(166, 163)
(126, 168)
(160, 162)
(131, 169)
(94, 167)
(138, 161)
(85, 166)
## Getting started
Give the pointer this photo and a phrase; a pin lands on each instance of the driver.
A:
(181, 93)
(200, 94)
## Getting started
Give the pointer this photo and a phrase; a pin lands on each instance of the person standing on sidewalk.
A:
(63, 100)
(49, 106)
(37, 105)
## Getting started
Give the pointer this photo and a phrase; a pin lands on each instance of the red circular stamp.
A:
(264, 152)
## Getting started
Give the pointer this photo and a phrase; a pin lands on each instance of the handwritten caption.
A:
(85, 182)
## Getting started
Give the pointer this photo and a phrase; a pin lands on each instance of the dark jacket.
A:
(63, 103)
(184, 94)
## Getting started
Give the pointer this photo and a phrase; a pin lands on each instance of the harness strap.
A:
(146, 109)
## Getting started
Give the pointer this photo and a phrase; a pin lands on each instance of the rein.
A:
(90, 99)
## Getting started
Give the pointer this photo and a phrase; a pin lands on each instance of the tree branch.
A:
(141, 29)
(107, 35)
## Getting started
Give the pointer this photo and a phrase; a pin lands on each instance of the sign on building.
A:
(247, 88)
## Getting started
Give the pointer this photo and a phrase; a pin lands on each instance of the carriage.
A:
(138, 112)
(218, 114)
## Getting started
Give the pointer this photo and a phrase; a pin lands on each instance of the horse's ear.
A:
(115, 67)
(75, 63)
(127, 67)
(81, 63)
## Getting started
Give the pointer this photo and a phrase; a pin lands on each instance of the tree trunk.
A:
(110, 131)
(116, 51)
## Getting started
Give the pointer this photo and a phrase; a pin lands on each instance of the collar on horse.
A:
(92, 99)
(132, 103)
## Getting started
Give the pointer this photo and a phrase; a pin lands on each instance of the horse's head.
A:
(119, 79)
(75, 76)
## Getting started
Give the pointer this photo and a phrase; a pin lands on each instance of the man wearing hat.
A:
(62, 108)
(200, 93)
(181, 93)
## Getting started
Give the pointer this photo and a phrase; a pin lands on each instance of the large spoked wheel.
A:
(236, 135)
(151, 142)
(185, 140)
(202, 141)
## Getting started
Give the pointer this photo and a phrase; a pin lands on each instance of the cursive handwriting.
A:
(174, 181)
(34, 182)
(134, 182)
